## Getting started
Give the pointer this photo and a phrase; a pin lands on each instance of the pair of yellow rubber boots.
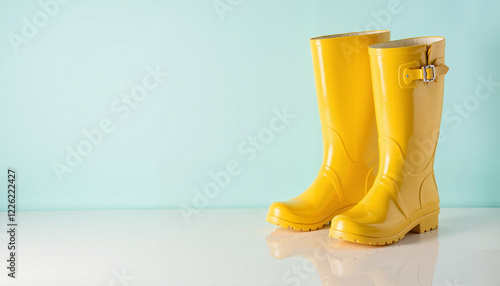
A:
(380, 105)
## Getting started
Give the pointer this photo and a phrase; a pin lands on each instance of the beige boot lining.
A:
(407, 42)
(350, 34)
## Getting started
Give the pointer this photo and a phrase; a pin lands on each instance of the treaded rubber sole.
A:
(422, 224)
(303, 226)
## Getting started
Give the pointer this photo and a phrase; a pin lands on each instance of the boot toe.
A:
(346, 224)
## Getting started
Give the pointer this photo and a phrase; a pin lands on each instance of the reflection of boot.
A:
(410, 262)
(408, 82)
(345, 101)
(313, 246)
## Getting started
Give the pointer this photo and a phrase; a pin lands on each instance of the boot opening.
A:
(411, 42)
(350, 34)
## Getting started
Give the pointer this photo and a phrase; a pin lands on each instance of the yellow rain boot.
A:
(408, 81)
(345, 101)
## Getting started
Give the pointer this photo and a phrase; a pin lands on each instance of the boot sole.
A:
(422, 224)
(304, 226)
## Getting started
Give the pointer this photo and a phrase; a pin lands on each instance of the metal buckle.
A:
(424, 70)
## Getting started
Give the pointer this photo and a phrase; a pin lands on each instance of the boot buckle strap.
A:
(411, 73)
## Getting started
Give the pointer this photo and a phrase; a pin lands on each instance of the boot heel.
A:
(427, 223)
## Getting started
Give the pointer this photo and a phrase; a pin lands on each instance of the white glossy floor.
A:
(237, 247)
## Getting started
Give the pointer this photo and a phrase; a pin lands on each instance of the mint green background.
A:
(226, 76)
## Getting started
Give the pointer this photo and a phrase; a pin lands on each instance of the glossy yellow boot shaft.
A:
(345, 102)
(408, 81)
